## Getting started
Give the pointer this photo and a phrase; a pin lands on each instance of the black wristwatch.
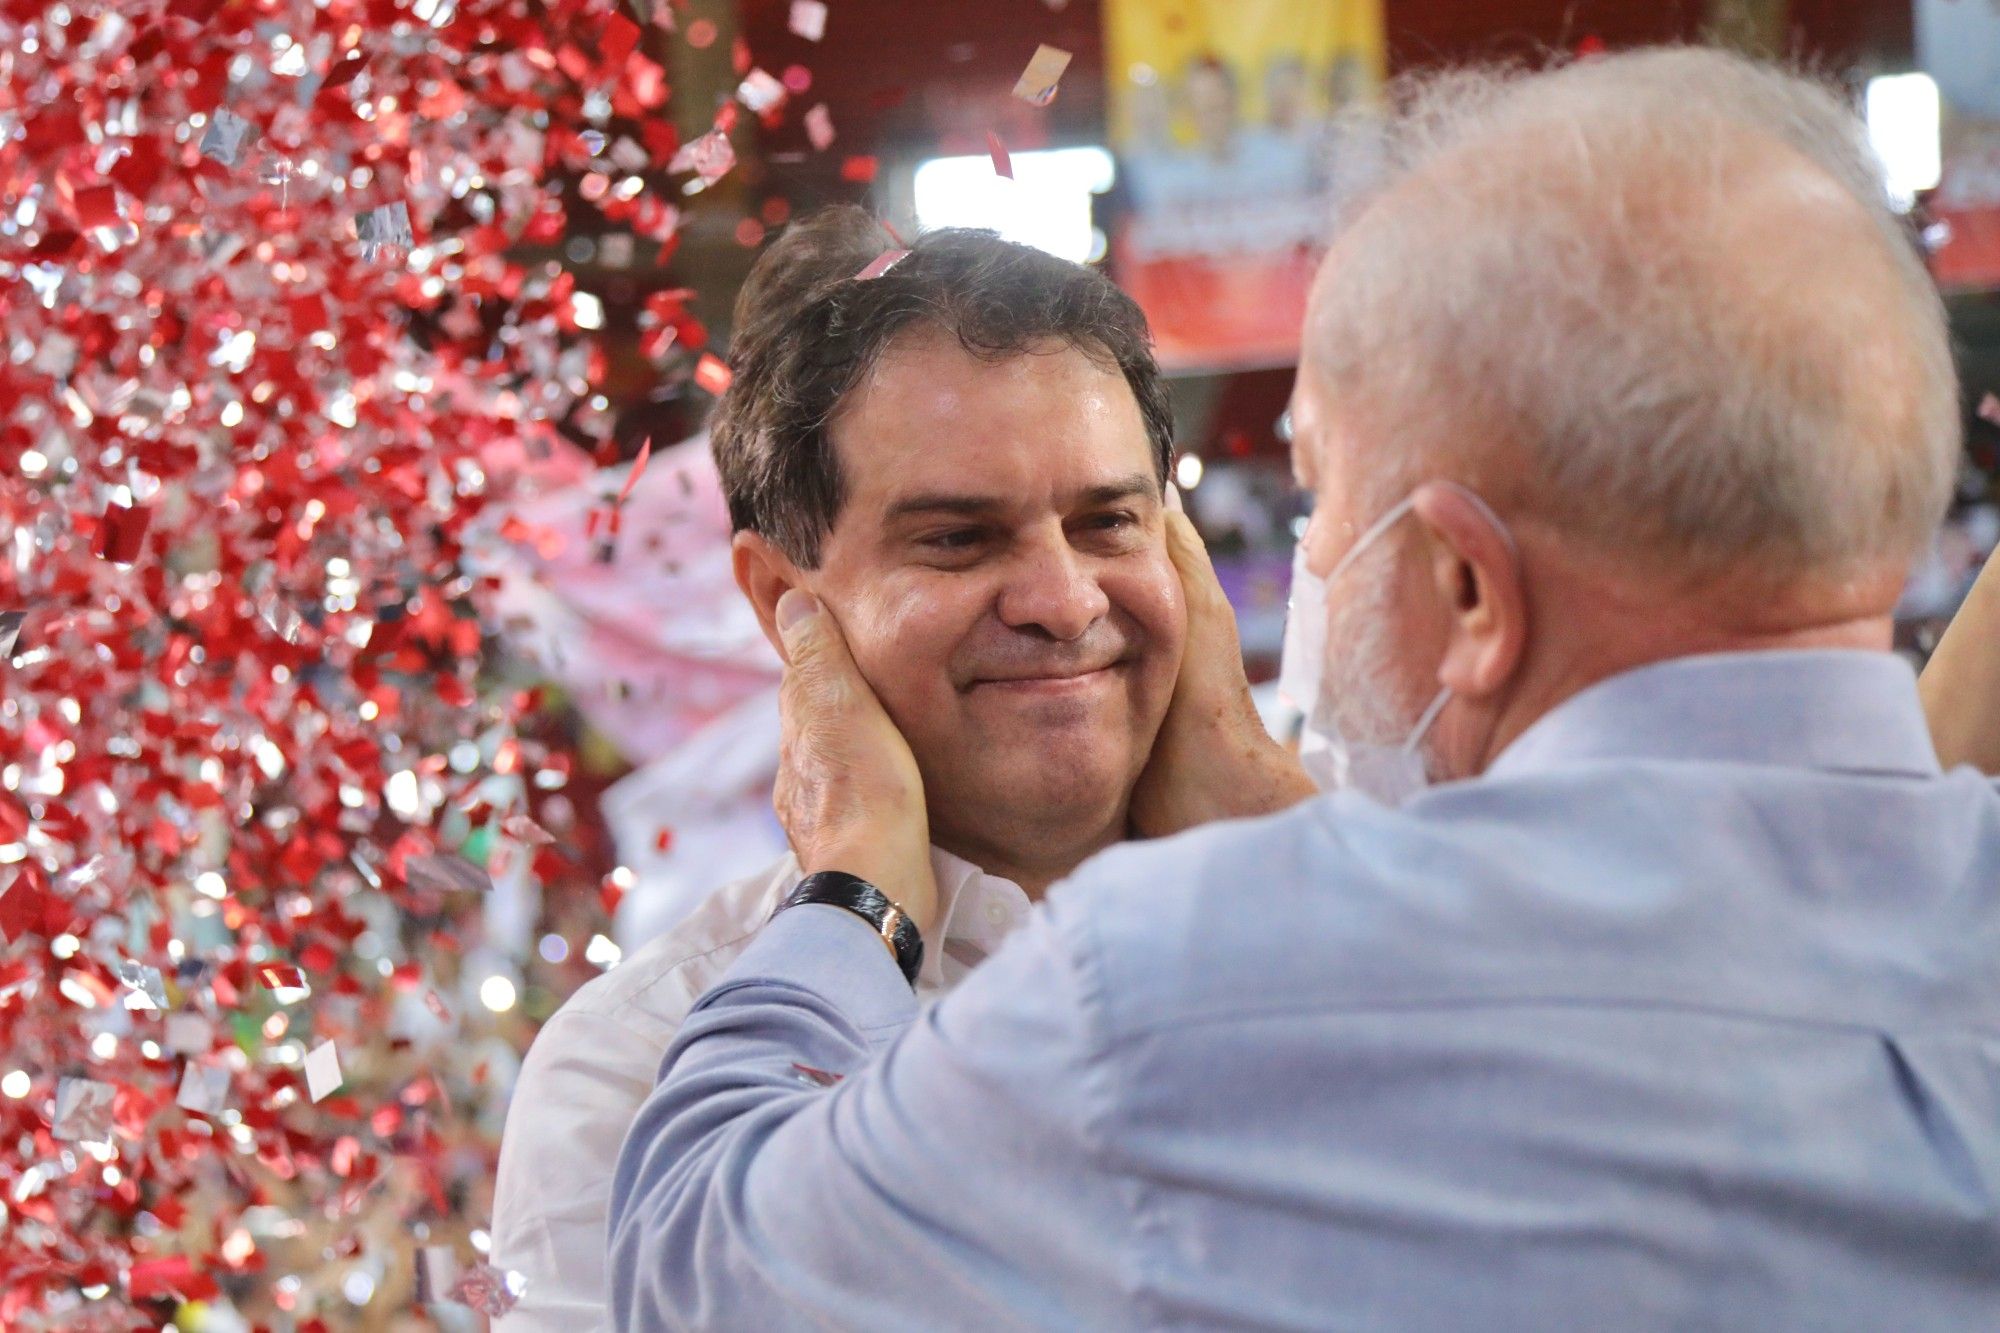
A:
(837, 888)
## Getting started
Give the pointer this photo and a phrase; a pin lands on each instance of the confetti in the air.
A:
(523, 829)
(123, 534)
(1003, 165)
(808, 19)
(225, 137)
(446, 871)
(322, 1071)
(204, 1090)
(286, 297)
(712, 374)
(83, 1110)
(384, 228)
(819, 127)
(189, 1034)
(10, 632)
(1037, 84)
(145, 990)
(760, 91)
(709, 157)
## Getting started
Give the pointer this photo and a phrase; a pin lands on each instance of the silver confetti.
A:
(444, 871)
(83, 1110)
(204, 1090)
(225, 137)
(384, 228)
(145, 989)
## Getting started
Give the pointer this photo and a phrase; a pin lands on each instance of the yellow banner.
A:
(1229, 121)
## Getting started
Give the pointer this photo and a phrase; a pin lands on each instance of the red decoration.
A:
(275, 354)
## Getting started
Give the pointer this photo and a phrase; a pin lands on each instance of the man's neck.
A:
(1034, 863)
(1634, 631)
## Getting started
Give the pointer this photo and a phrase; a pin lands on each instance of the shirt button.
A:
(996, 912)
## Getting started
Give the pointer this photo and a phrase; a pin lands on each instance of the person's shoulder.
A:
(1257, 907)
(1139, 873)
(654, 986)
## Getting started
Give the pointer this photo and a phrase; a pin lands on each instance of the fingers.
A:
(1199, 587)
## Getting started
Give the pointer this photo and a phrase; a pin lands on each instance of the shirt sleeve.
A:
(584, 1077)
(917, 1192)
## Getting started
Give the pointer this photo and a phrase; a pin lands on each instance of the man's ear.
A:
(764, 572)
(1477, 573)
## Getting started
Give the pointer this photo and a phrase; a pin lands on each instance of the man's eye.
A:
(954, 539)
(1112, 522)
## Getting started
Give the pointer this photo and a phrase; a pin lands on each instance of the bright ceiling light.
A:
(1903, 128)
(1046, 204)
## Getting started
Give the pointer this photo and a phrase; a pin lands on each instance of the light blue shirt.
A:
(1685, 1016)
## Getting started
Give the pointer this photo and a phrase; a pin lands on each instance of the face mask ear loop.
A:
(1370, 534)
(1427, 720)
(1478, 502)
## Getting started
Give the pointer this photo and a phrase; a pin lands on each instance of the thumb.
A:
(801, 624)
(814, 648)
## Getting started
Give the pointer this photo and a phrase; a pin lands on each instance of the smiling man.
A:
(964, 460)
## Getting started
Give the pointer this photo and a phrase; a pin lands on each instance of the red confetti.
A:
(819, 127)
(711, 374)
(638, 470)
(122, 535)
(881, 264)
(1002, 164)
(97, 206)
(620, 38)
(818, 1078)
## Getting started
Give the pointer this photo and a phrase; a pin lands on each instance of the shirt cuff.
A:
(832, 953)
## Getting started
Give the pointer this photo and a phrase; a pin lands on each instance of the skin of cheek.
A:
(903, 626)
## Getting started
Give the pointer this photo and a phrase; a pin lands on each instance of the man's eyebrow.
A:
(1124, 488)
(977, 506)
(944, 502)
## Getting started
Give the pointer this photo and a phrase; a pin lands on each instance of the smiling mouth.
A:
(1062, 684)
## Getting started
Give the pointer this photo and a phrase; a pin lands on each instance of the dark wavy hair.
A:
(807, 330)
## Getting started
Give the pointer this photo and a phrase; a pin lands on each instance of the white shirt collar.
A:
(976, 911)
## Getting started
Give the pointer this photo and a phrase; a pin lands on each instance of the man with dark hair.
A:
(963, 455)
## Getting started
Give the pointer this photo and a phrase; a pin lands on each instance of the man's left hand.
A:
(848, 791)
(1213, 759)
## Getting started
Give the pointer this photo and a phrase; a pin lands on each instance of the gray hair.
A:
(1660, 299)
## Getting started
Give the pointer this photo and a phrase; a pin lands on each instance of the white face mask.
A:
(1388, 773)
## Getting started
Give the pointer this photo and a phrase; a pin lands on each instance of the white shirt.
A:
(594, 1063)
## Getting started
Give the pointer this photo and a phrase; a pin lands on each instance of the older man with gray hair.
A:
(1646, 971)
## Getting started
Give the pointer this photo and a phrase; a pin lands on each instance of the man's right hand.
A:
(848, 792)
(1213, 758)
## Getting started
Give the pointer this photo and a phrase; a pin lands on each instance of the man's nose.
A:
(1051, 587)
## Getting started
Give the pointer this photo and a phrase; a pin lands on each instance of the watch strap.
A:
(837, 888)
